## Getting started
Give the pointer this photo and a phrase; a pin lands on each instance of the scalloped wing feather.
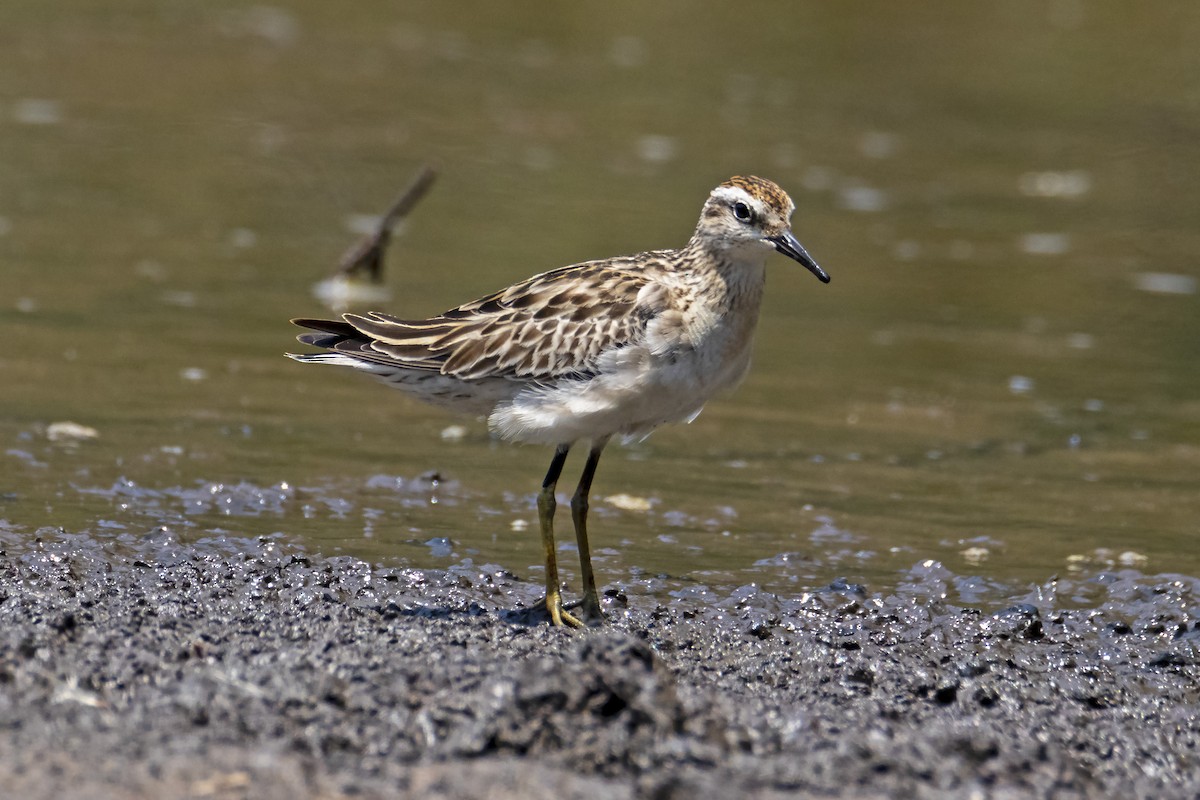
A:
(554, 324)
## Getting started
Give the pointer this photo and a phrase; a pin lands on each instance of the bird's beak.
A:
(787, 244)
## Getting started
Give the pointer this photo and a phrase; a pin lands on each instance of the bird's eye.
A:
(742, 212)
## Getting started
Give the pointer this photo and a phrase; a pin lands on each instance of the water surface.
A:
(1000, 382)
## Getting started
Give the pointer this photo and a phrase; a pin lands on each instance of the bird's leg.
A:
(546, 505)
(579, 510)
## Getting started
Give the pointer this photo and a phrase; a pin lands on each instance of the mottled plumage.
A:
(611, 347)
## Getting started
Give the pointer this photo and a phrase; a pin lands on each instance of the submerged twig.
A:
(367, 254)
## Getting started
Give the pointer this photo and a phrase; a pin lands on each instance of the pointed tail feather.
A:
(335, 326)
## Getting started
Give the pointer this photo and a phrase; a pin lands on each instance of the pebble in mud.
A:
(251, 669)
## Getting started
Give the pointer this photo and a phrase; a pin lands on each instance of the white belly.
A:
(634, 392)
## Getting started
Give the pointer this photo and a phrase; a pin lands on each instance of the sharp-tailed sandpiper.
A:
(603, 348)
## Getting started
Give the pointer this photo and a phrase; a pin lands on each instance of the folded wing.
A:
(553, 325)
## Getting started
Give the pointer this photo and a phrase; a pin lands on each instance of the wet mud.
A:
(148, 667)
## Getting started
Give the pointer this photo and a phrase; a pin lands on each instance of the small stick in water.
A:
(367, 254)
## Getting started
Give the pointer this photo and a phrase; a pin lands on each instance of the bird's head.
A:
(749, 214)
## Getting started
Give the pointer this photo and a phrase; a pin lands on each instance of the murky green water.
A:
(1002, 375)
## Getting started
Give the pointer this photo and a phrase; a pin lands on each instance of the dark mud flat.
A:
(150, 668)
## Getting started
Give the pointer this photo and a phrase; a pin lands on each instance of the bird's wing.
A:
(549, 326)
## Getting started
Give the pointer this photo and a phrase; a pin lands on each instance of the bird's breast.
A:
(705, 342)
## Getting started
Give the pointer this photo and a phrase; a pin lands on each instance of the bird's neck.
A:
(738, 274)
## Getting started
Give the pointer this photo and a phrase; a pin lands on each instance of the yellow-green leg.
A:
(579, 510)
(546, 506)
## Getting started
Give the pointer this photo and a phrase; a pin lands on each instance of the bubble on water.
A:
(242, 238)
(37, 111)
(341, 292)
(1020, 384)
(857, 197)
(1044, 244)
(193, 374)
(1165, 283)
(657, 149)
(1069, 184)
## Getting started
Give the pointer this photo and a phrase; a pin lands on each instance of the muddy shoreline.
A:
(146, 667)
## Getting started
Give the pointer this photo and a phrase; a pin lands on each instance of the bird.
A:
(604, 348)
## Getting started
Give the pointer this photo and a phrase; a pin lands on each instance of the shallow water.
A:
(1000, 382)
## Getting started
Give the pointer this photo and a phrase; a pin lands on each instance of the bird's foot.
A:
(590, 603)
(559, 616)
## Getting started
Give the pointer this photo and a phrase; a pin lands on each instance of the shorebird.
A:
(614, 347)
